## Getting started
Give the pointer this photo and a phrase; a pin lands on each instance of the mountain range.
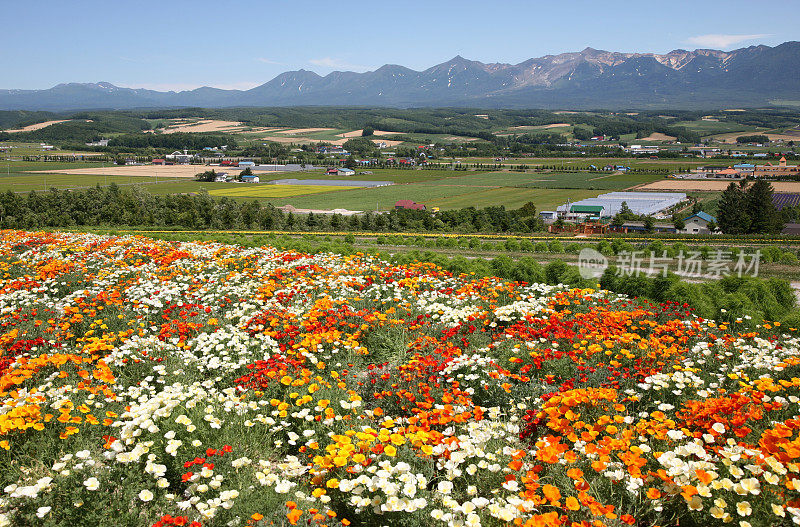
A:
(752, 76)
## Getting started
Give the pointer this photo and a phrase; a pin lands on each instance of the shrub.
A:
(528, 270)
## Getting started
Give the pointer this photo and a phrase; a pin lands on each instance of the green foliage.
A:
(763, 139)
(208, 175)
(176, 141)
(360, 146)
(763, 216)
(732, 214)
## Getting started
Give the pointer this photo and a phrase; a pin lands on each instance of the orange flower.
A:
(294, 515)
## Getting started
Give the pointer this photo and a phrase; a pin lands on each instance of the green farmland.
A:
(259, 191)
(443, 188)
(550, 180)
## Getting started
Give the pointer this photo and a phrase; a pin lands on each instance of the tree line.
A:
(136, 207)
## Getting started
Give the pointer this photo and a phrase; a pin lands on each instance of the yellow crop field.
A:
(272, 191)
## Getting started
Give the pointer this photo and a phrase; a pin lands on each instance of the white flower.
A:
(91, 484)
(445, 487)
(41, 512)
(145, 495)
(511, 485)
(718, 428)
(743, 508)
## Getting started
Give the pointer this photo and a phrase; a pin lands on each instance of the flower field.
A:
(160, 383)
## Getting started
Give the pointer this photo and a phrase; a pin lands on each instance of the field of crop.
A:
(707, 128)
(582, 163)
(272, 191)
(25, 182)
(718, 185)
(285, 389)
(554, 180)
(785, 200)
(443, 196)
(381, 174)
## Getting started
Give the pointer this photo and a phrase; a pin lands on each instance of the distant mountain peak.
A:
(590, 78)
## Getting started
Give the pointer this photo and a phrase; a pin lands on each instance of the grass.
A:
(551, 180)
(387, 174)
(272, 191)
(513, 198)
(442, 196)
(24, 182)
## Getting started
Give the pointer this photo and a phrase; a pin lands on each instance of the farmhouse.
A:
(698, 223)
(639, 149)
(745, 169)
(345, 172)
(548, 216)
(408, 204)
(729, 172)
(584, 212)
(250, 179)
(180, 157)
(779, 170)
(246, 164)
(158, 161)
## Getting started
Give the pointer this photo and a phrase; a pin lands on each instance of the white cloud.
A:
(268, 61)
(337, 64)
(722, 41)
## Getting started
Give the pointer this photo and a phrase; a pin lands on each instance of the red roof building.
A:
(408, 204)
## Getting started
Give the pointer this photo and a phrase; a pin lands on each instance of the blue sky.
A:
(177, 44)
